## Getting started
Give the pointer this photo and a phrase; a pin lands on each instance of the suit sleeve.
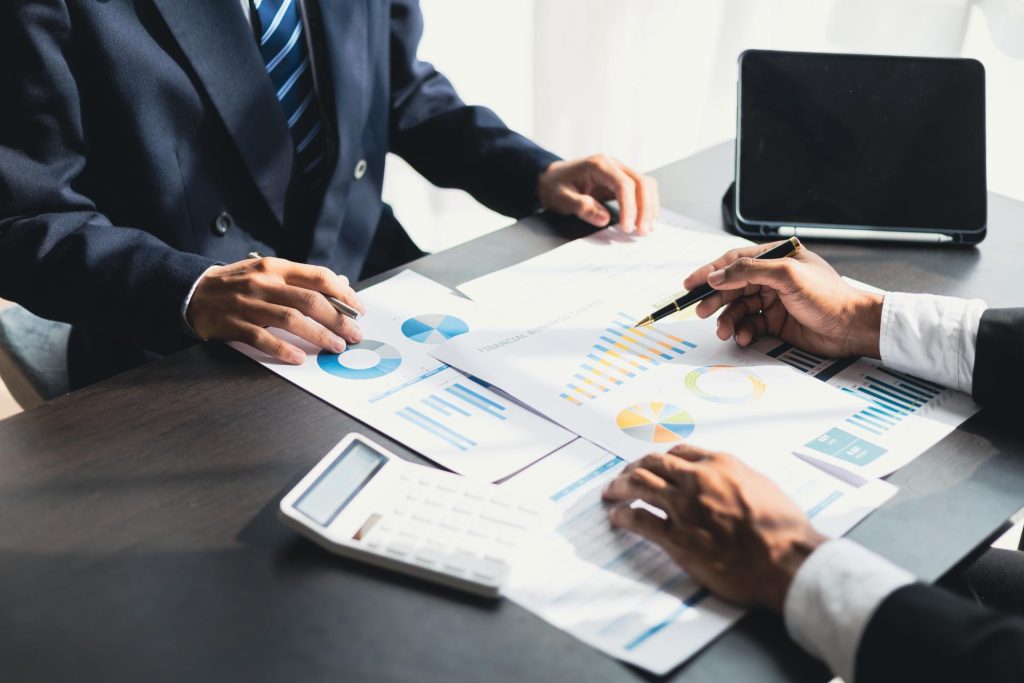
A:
(448, 142)
(999, 362)
(60, 256)
(923, 633)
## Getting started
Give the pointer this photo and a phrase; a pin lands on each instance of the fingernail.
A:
(716, 277)
(337, 344)
(297, 357)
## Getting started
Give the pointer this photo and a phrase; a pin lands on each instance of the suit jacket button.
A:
(360, 169)
(222, 223)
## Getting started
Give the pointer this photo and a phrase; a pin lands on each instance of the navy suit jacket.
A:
(141, 142)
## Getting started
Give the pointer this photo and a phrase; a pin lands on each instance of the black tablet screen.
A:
(862, 141)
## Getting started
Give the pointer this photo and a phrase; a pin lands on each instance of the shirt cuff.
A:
(932, 337)
(188, 300)
(833, 597)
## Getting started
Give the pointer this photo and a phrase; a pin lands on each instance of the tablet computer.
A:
(860, 146)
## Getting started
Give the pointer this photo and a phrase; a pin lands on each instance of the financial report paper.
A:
(390, 381)
(900, 416)
(583, 365)
(623, 595)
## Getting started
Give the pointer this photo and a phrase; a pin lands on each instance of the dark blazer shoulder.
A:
(924, 633)
(999, 359)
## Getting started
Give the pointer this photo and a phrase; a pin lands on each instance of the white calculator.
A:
(364, 502)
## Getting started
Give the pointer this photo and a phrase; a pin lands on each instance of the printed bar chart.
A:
(452, 411)
(621, 353)
(892, 395)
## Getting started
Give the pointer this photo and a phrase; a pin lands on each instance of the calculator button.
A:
(453, 524)
(399, 549)
(509, 538)
(501, 516)
(427, 557)
(448, 485)
(530, 508)
(495, 558)
(502, 499)
(480, 531)
(488, 571)
(455, 565)
(462, 508)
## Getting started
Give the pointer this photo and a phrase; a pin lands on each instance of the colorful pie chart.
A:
(434, 328)
(655, 422)
(368, 359)
(725, 384)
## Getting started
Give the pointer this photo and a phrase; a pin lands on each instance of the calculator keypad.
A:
(454, 526)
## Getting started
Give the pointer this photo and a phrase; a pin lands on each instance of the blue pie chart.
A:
(434, 328)
(382, 360)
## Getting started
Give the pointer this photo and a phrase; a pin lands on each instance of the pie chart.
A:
(368, 359)
(725, 384)
(655, 422)
(433, 328)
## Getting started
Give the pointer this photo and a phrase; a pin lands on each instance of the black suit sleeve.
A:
(450, 143)
(60, 256)
(923, 633)
(999, 361)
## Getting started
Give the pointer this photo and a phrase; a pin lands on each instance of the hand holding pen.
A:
(801, 300)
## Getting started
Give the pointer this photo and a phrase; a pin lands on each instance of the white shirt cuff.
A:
(188, 300)
(932, 337)
(833, 597)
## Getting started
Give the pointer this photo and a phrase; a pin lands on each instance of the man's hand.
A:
(235, 302)
(729, 527)
(801, 300)
(579, 186)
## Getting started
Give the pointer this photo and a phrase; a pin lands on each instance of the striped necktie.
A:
(279, 33)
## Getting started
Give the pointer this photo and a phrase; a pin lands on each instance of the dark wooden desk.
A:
(138, 536)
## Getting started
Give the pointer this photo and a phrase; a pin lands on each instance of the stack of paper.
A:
(545, 361)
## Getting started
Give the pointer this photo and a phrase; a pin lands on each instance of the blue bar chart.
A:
(453, 411)
(620, 353)
(892, 395)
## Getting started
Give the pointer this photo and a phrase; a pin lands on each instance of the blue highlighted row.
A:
(476, 400)
(436, 428)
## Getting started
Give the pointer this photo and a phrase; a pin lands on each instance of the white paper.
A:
(651, 268)
(391, 382)
(636, 391)
(901, 416)
(623, 595)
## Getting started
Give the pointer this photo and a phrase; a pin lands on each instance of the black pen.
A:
(697, 294)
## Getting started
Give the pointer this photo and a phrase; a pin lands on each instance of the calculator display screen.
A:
(340, 483)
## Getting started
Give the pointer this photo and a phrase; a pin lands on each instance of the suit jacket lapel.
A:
(221, 47)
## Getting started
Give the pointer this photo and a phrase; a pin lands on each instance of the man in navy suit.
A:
(148, 147)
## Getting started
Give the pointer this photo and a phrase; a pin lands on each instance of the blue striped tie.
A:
(279, 33)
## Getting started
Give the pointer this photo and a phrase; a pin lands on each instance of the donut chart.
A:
(655, 422)
(384, 359)
(725, 384)
(433, 328)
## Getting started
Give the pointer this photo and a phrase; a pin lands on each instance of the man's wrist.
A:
(865, 328)
(788, 563)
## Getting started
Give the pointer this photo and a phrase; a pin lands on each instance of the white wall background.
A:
(651, 81)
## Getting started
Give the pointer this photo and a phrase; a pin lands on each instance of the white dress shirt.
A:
(837, 590)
